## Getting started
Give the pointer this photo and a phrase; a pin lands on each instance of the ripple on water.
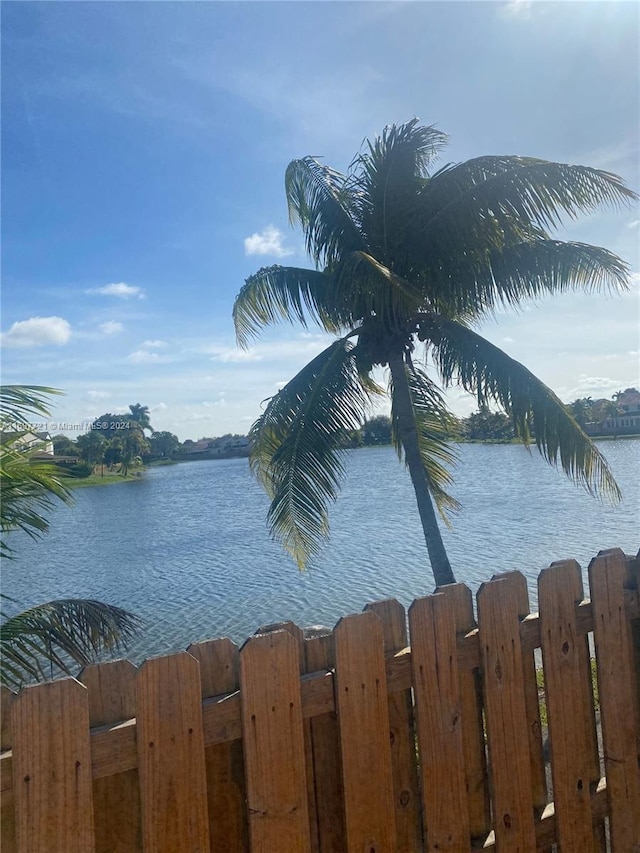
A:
(187, 547)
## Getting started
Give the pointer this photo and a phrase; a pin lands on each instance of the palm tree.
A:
(48, 636)
(407, 262)
(140, 415)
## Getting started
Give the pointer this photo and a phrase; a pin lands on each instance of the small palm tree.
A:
(140, 415)
(407, 262)
(50, 636)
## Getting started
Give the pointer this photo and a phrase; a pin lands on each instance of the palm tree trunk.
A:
(440, 565)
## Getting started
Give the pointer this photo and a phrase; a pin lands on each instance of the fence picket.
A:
(226, 790)
(327, 760)
(567, 676)
(534, 728)
(617, 688)
(363, 715)
(7, 802)
(273, 742)
(311, 743)
(112, 697)
(52, 768)
(475, 756)
(437, 696)
(402, 728)
(173, 785)
(506, 716)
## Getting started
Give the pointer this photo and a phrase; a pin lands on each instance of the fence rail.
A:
(355, 740)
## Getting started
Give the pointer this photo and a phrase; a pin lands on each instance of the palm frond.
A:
(297, 446)
(52, 637)
(388, 175)
(319, 199)
(19, 401)
(467, 358)
(434, 424)
(283, 293)
(473, 284)
(523, 191)
(367, 288)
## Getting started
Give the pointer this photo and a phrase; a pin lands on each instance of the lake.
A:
(186, 546)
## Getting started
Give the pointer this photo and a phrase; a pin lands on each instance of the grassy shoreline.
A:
(109, 479)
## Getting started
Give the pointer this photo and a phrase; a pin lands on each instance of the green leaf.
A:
(298, 446)
(58, 634)
(467, 358)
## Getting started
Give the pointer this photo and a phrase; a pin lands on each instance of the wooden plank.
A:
(438, 716)
(173, 783)
(112, 697)
(567, 678)
(532, 703)
(475, 758)
(226, 789)
(298, 634)
(616, 688)
(409, 833)
(273, 742)
(327, 758)
(363, 715)
(52, 768)
(113, 748)
(506, 716)
(7, 803)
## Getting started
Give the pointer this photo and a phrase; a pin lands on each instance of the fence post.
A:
(475, 759)
(173, 783)
(112, 697)
(327, 757)
(434, 662)
(363, 715)
(569, 698)
(226, 790)
(273, 741)
(506, 714)
(617, 691)
(403, 746)
(7, 800)
(52, 768)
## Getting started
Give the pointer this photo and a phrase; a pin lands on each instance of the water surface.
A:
(186, 547)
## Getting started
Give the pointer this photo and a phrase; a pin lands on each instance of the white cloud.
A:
(635, 223)
(267, 242)
(98, 395)
(142, 356)
(517, 9)
(111, 327)
(233, 355)
(155, 344)
(37, 332)
(158, 408)
(119, 289)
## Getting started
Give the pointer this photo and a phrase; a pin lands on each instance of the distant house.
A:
(625, 422)
(40, 443)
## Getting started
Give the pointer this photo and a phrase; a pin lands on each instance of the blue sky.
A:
(143, 151)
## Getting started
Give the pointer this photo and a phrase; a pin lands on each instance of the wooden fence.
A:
(352, 741)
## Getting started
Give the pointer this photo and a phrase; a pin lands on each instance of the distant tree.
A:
(113, 452)
(163, 444)
(140, 415)
(485, 425)
(91, 447)
(377, 430)
(63, 446)
(582, 410)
